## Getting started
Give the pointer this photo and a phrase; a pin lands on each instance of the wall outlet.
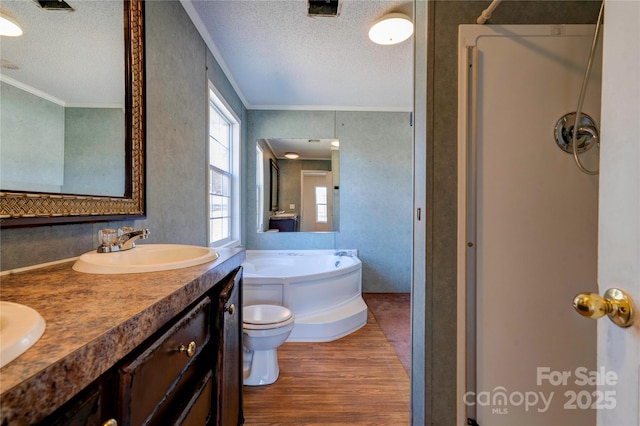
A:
(292, 206)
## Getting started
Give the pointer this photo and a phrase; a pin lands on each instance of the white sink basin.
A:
(20, 327)
(144, 258)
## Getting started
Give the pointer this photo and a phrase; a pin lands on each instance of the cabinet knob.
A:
(110, 422)
(231, 309)
(190, 349)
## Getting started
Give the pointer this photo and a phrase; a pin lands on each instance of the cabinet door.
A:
(229, 389)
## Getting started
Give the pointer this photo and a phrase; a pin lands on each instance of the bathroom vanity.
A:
(154, 348)
(286, 222)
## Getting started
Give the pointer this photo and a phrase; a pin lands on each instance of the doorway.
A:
(317, 201)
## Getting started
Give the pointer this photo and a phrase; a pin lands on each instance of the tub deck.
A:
(324, 291)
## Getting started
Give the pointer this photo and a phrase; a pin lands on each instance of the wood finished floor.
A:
(356, 380)
(393, 314)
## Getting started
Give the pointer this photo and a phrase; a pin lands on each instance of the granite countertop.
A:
(284, 216)
(92, 322)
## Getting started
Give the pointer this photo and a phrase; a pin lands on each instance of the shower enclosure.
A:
(527, 226)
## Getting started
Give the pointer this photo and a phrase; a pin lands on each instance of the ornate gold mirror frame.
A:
(32, 209)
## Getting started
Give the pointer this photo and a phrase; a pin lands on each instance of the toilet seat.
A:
(260, 317)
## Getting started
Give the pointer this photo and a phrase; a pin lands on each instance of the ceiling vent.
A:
(329, 8)
(54, 5)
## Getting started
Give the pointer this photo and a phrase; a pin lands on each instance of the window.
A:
(321, 204)
(223, 168)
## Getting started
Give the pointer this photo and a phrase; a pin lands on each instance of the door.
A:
(317, 201)
(528, 226)
(229, 374)
(619, 229)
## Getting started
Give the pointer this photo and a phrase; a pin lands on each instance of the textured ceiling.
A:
(277, 57)
(308, 149)
(73, 57)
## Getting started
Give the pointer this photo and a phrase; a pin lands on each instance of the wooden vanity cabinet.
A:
(285, 224)
(188, 373)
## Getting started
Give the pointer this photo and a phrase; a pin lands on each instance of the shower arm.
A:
(583, 89)
(486, 14)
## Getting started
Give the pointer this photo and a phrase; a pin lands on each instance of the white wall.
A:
(375, 189)
(94, 161)
(32, 148)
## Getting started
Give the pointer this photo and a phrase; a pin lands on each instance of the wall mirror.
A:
(73, 113)
(303, 184)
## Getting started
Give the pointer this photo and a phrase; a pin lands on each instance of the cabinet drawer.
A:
(145, 381)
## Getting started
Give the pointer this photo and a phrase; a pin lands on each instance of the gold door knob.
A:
(190, 349)
(615, 303)
(231, 309)
(110, 422)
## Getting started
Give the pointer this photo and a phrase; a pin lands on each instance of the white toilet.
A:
(264, 329)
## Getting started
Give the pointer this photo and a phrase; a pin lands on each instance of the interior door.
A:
(619, 210)
(317, 193)
(229, 386)
(528, 227)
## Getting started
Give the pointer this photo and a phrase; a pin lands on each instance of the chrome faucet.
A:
(125, 240)
(343, 253)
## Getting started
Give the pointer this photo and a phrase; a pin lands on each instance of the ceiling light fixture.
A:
(9, 27)
(292, 155)
(393, 28)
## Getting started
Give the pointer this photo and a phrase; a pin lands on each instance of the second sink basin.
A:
(145, 258)
(20, 327)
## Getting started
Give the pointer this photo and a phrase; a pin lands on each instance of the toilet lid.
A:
(265, 314)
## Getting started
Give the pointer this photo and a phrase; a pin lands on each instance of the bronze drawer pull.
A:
(189, 349)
